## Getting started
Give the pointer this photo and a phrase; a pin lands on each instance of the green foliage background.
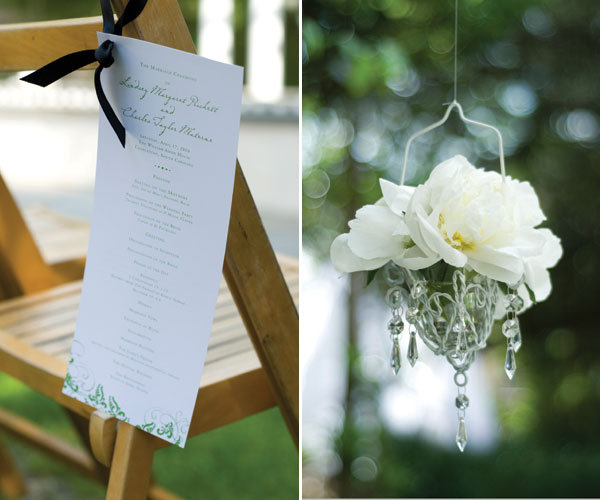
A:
(229, 462)
(376, 71)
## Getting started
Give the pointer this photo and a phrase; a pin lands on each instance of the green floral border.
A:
(157, 421)
(95, 397)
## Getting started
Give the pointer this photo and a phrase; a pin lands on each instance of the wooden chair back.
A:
(22, 268)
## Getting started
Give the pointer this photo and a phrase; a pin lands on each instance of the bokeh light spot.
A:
(364, 469)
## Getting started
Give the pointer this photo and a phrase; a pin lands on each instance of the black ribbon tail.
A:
(132, 10)
(108, 18)
(62, 66)
(112, 118)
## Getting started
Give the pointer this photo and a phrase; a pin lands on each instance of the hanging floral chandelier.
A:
(458, 252)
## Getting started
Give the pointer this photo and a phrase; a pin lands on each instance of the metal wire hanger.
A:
(454, 105)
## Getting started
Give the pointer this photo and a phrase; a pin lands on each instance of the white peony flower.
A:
(470, 217)
(466, 216)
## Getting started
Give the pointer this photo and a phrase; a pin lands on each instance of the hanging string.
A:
(455, 46)
(454, 105)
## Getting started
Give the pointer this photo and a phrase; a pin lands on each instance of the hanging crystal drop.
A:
(395, 362)
(517, 341)
(412, 314)
(412, 354)
(510, 327)
(462, 402)
(461, 435)
(510, 366)
(513, 303)
(396, 325)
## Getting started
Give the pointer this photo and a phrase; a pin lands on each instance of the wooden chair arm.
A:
(69, 270)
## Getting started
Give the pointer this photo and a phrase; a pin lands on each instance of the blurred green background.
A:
(229, 462)
(254, 458)
(373, 73)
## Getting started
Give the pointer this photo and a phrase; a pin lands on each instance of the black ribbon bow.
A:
(103, 54)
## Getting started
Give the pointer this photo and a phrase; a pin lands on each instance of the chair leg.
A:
(131, 464)
(12, 484)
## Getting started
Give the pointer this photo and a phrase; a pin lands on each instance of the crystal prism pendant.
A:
(516, 341)
(510, 366)
(412, 354)
(461, 435)
(395, 361)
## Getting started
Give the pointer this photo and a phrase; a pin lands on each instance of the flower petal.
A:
(434, 240)
(448, 169)
(524, 294)
(396, 197)
(496, 264)
(537, 278)
(346, 261)
(372, 233)
(524, 242)
(552, 251)
(525, 203)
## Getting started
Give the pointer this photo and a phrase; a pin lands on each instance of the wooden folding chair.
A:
(252, 361)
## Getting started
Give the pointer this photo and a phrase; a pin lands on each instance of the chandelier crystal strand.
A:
(394, 299)
(462, 403)
(412, 353)
(412, 314)
(511, 329)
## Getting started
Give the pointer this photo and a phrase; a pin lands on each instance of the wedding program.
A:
(159, 228)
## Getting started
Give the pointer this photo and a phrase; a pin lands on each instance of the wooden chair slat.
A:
(39, 314)
(29, 46)
(46, 321)
(52, 333)
(48, 296)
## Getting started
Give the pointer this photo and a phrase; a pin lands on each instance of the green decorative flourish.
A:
(114, 409)
(149, 427)
(165, 426)
(69, 383)
(98, 398)
(166, 431)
